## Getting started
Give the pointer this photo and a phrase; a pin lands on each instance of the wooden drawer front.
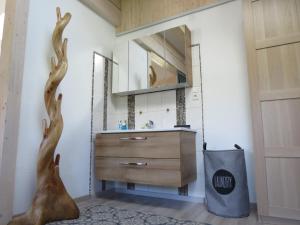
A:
(141, 163)
(139, 145)
(141, 176)
(165, 172)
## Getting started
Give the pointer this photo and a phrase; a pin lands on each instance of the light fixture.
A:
(1, 25)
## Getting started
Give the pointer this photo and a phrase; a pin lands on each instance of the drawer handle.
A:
(133, 164)
(133, 138)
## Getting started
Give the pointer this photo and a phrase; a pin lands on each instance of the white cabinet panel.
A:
(138, 69)
(120, 68)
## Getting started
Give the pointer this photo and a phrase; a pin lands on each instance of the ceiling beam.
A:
(139, 14)
(110, 10)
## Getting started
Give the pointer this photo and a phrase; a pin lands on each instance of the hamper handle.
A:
(204, 145)
(237, 147)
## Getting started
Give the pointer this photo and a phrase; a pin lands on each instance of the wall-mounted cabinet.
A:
(161, 61)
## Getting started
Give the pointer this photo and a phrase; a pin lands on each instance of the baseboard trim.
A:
(82, 198)
(268, 220)
(194, 199)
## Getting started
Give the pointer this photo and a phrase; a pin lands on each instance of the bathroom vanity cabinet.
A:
(161, 157)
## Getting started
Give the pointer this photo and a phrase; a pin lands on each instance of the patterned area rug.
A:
(104, 215)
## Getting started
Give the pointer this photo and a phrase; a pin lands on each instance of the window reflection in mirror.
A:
(2, 16)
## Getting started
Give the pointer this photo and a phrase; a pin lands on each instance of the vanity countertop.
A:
(147, 130)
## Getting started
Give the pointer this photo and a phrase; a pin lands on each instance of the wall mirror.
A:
(161, 61)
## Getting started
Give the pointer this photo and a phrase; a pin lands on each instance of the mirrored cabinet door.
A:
(179, 53)
(154, 46)
(138, 67)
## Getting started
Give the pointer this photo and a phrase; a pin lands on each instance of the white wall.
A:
(2, 6)
(86, 33)
(227, 119)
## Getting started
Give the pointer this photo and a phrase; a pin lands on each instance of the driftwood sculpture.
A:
(153, 76)
(51, 201)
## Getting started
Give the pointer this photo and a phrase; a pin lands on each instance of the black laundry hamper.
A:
(226, 186)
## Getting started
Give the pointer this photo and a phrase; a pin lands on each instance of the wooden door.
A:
(273, 49)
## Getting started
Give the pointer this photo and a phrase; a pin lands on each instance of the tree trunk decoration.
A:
(51, 201)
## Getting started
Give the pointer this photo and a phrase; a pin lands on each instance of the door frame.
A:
(11, 76)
